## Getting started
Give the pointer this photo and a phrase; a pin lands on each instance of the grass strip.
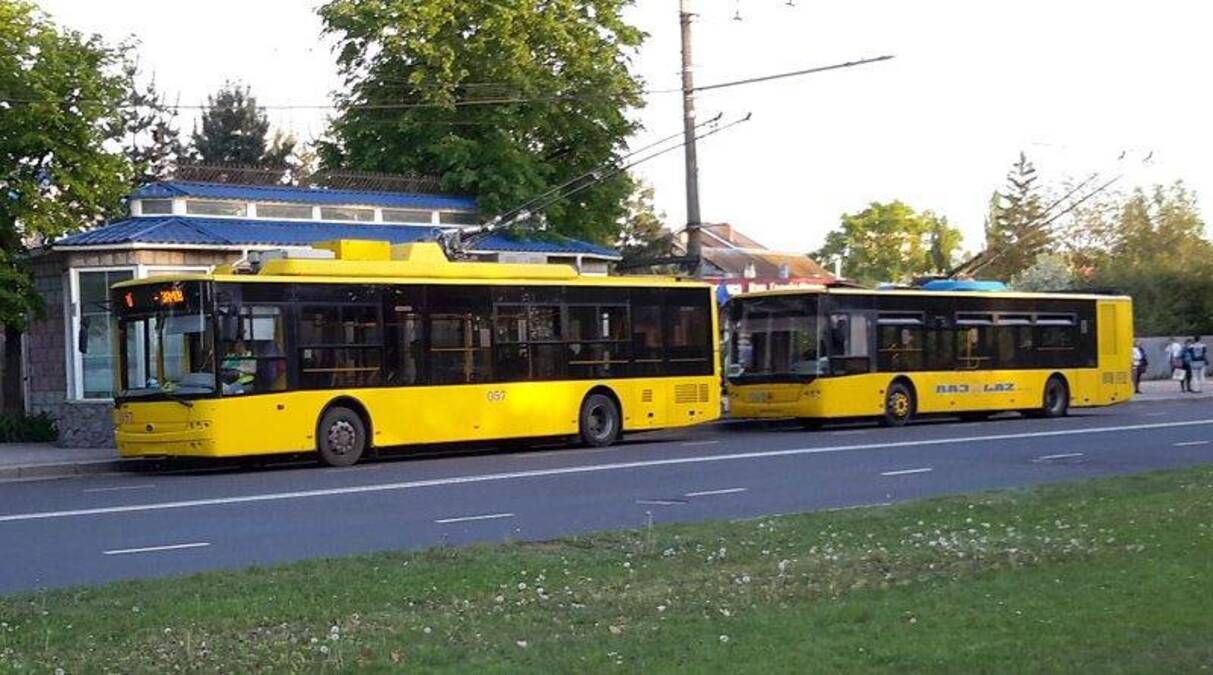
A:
(1109, 575)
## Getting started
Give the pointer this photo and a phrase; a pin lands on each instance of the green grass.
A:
(1113, 575)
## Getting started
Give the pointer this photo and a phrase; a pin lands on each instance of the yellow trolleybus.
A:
(396, 345)
(830, 353)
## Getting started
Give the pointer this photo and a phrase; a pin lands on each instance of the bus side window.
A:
(849, 344)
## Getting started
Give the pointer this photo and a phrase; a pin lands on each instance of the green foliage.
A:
(1016, 232)
(891, 242)
(506, 99)
(1050, 272)
(234, 131)
(38, 428)
(642, 234)
(60, 167)
(149, 125)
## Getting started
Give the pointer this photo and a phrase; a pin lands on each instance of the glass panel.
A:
(347, 213)
(170, 353)
(206, 207)
(407, 216)
(97, 364)
(688, 332)
(582, 324)
(774, 337)
(152, 207)
(849, 344)
(899, 347)
(290, 211)
(254, 356)
(647, 350)
(325, 368)
(458, 218)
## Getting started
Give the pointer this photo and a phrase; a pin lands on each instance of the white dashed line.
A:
(707, 493)
(1063, 455)
(690, 443)
(119, 488)
(1187, 444)
(959, 441)
(906, 472)
(464, 519)
(153, 549)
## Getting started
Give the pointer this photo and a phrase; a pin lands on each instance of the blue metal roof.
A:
(303, 195)
(196, 231)
(550, 243)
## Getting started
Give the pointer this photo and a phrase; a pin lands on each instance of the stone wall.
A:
(1160, 367)
(82, 424)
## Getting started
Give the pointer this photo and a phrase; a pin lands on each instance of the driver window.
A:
(848, 343)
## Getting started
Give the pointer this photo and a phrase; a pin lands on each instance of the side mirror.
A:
(82, 336)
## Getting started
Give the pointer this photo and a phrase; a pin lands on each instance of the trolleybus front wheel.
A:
(1056, 398)
(341, 437)
(600, 421)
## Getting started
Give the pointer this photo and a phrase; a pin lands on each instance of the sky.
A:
(1082, 86)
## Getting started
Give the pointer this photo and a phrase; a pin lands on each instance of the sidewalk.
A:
(44, 460)
(1168, 390)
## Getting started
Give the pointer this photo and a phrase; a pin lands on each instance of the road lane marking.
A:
(660, 502)
(119, 488)
(1063, 455)
(1187, 444)
(1155, 414)
(690, 443)
(906, 472)
(464, 519)
(152, 549)
(585, 469)
(708, 493)
(850, 432)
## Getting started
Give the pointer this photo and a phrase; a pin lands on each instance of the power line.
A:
(794, 73)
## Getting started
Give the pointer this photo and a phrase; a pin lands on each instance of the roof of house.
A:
(228, 232)
(767, 264)
(303, 195)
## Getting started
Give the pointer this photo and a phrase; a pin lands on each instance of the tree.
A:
(61, 164)
(1049, 272)
(150, 137)
(1016, 232)
(891, 242)
(642, 232)
(499, 100)
(235, 131)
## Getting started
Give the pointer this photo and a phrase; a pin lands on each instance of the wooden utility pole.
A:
(688, 127)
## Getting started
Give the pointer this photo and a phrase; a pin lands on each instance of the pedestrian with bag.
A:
(1198, 365)
(1140, 363)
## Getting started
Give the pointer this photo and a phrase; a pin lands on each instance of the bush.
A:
(38, 428)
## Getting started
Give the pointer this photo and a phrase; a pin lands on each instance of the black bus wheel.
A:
(599, 425)
(341, 437)
(1056, 400)
(898, 405)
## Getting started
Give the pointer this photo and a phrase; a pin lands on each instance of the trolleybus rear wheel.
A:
(341, 437)
(898, 405)
(1056, 400)
(599, 420)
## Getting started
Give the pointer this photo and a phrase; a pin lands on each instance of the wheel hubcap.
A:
(342, 437)
(900, 405)
(600, 422)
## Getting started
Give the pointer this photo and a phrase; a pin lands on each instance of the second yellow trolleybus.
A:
(832, 353)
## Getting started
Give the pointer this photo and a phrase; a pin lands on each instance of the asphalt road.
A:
(92, 529)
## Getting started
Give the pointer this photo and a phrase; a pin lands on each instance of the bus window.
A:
(402, 358)
(849, 344)
(596, 340)
(1057, 339)
(774, 338)
(340, 346)
(252, 357)
(974, 341)
(688, 321)
(460, 319)
(899, 342)
(646, 332)
(1013, 338)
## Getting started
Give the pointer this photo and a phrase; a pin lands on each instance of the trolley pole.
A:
(688, 126)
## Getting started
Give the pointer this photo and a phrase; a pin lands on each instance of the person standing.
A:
(1140, 363)
(1175, 357)
(1198, 363)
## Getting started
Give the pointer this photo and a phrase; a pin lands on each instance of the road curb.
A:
(68, 469)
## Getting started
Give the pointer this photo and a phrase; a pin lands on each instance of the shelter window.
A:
(155, 207)
(407, 216)
(347, 213)
(285, 211)
(214, 207)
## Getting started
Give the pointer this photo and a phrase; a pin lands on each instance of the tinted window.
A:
(688, 335)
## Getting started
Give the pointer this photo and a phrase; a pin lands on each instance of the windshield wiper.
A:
(173, 397)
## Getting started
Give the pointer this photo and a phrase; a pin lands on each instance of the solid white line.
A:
(150, 549)
(690, 443)
(906, 472)
(591, 468)
(1186, 444)
(120, 487)
(707, 493)
(850, 432)
(464, 519)
(658, 502)
(1058, 456)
